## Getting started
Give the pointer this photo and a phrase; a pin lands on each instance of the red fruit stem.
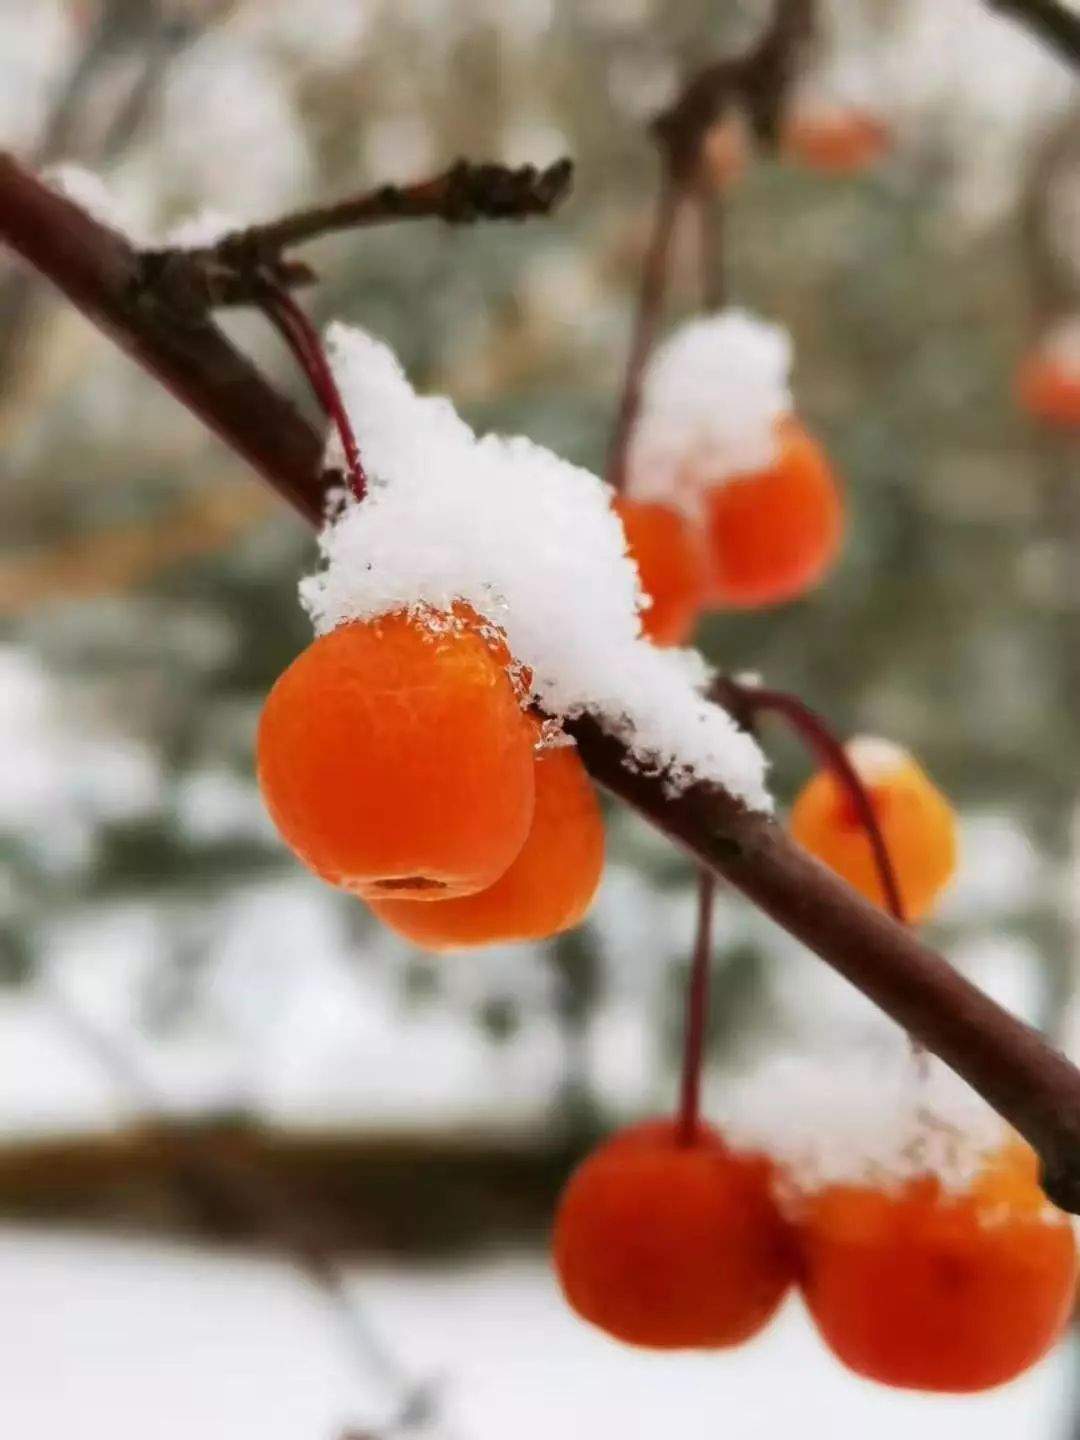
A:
(697, 1003)
(749, 701)
(305, 342)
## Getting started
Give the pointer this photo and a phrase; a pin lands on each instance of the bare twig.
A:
(697, 1001)
(646, 323)
(1017, 1071)
(228, 272)
(1057, 24)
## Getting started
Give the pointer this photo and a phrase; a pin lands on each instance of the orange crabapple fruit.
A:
(835, 139)
(773, 533)
(1048, 389)
(930, 1289)
(549, 885)
(671, 566)
(916, 821)
(395, 759)
(670, 1245)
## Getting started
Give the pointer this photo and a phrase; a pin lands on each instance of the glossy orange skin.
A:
(394, 760)
(548, 887)
(671, 563)
(772, 535)
(931, 1291)
(670, 1246)
(917, 824)
(1049, 392)
(836, 141)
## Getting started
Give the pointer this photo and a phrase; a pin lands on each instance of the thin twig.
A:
(646, 324)
(712, 217)
(231, 271)
(697, 1003)
(1009, 1063)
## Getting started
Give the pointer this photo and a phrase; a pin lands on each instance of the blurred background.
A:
(263, 1170)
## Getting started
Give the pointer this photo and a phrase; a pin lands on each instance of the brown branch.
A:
(1054, 23)
(1017, 1071)
(165, 332)
(227, 272)
(121, 26)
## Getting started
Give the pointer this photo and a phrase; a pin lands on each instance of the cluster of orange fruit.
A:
(764, 537)
(398, 763)
(670, 1243)
(675, 1245)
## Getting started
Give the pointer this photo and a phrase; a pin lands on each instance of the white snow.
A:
(712, 395)
(532, 544)
(874, 759)
(63, 770)
(112, 1340)
(89, 191)
(875, 1115)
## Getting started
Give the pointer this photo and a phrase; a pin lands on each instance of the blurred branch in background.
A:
(151, 33)
(1054, 21)
(124, 556)
(217, 1177)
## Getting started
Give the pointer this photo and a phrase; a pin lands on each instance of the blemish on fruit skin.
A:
(547, 889)
(408, 883)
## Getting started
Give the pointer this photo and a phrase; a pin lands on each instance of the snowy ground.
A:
(122, 1340)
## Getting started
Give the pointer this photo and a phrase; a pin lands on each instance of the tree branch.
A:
(1054, 23)
(228, 272)
(1017, 1071)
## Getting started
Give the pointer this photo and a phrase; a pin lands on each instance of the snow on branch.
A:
(532, 544)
